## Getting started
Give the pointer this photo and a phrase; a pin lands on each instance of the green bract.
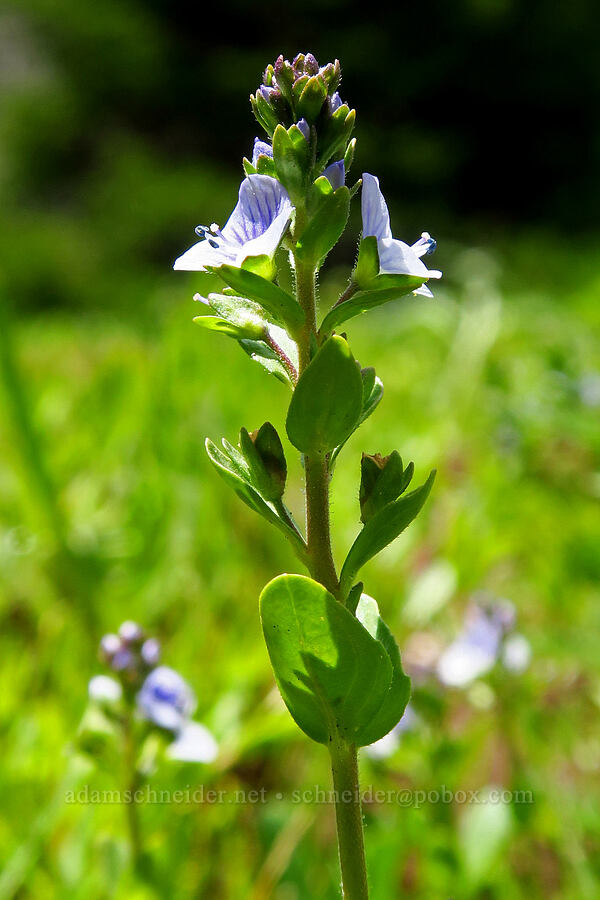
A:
(328, 213)
(281, 305)
(384, 527)
(327, 402)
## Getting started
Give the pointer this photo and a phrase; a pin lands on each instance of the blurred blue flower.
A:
(479, 645)
(387, 745)
(255, 227)
(194, 743)
(395, 257)
(166, 699)
(104, 690)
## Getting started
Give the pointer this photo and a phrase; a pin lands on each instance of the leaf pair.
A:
(339, 676)
(256, 471)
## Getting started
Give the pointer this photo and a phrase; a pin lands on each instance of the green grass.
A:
(483, 383)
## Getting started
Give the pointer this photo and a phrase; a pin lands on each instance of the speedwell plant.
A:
(335, 660)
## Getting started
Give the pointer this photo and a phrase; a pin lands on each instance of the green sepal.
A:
(248, 167)
(332, 674)
(367, 264)
(328, 214)
(349, 155)
(265, 166)
(372, 392)
(312, 98)
(392, 709)
(291, 156)
(262, 265)
(247, 316)
(381, 530)
(365, 300)
(234, 469)
(281, 305)
(264, 454)
(382, 481)
(264, 113)
(327, 401)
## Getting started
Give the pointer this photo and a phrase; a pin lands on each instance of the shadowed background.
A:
(122, 126)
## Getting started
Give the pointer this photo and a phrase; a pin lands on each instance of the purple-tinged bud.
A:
(311, 66)
(335, 101)
(151, 652)
(131, 633)
(279, 64)
(304, 127)
(109, 645)
(123, 660)
(266, 92)
(166, 699)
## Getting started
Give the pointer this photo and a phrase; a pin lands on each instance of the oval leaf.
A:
(332, 674)
(327, 401)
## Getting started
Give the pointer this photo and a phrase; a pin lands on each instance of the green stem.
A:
(132, 783)
(317, 473)
(348, 814)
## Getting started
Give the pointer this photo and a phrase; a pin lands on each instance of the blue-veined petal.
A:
(375, 214)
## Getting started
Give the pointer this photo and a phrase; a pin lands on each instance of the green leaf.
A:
(392, 709)
(312, 98)
(214, 323)
(247, 317)
(372, 394)
(265, 457)
(292, 159)
(276, 301)
(364, 300)
(235, 471)
(332, 674)
(327, 401)
(261, 353)
(381, 530)
(328, 219)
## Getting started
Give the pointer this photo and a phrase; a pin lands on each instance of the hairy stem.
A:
(348, 815)
(132, 783)
(344, 763)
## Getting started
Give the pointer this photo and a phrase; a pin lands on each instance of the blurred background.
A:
(122, 126)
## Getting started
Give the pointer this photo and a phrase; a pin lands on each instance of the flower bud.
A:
(263, 452)
(109, 645)
(150, 652)
(383, 479)
(131, 633)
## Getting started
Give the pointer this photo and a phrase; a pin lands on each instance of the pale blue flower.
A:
(255, 227)
(395, 257)
(194, 743)
(166, 699)
(104, 690)
(477, 648)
